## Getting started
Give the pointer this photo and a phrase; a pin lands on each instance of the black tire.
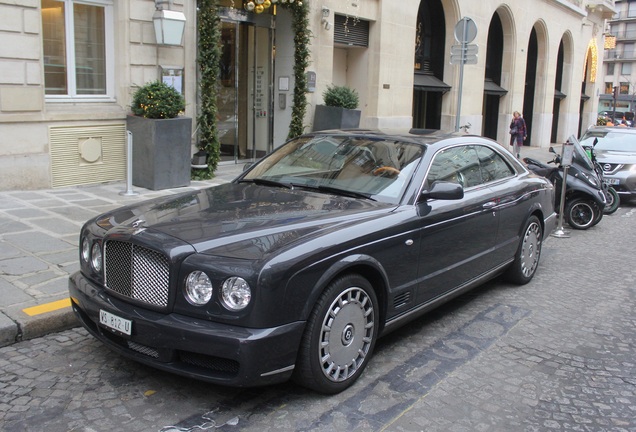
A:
(528, 253)
(581, 213)
(613, 201)
(340, 336)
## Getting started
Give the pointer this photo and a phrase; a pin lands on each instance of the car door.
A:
(511, 207)
(457, 236)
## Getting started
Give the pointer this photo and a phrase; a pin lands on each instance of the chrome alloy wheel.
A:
(346, 334)
(531, 249)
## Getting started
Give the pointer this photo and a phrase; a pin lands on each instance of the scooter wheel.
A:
(613, 201)
(581, 213)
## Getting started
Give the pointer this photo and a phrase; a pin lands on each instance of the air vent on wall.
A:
(350, 31)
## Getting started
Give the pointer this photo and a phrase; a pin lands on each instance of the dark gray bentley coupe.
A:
(294, 269)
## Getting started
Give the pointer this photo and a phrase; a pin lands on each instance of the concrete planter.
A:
(328, 117)
(161, 152)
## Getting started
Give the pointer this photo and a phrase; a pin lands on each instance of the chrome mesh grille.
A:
(143, 349)
(136, 272)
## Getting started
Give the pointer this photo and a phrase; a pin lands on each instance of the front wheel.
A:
(613, 200)
(339, 337)
(528, 253)
(581, 213)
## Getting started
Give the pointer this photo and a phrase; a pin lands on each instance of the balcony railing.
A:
(619, 55)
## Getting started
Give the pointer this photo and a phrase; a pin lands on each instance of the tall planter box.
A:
(161, 152)
(330, 117)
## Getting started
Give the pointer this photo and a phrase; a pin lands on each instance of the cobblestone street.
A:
(556, 354)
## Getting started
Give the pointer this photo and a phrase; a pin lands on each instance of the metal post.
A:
(559, 231)
(461, 77)
(129, 191)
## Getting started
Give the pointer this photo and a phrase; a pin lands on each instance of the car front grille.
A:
(136, 272)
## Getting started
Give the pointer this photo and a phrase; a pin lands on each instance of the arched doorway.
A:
(530, 83)
(429, 88)
(492, 80)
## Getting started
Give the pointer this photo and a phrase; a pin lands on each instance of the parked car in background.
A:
(616, 153)
(294, 269)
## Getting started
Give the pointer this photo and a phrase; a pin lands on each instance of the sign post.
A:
(465, 33)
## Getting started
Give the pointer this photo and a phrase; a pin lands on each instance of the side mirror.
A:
(551, 150)
(247, 166)
(444, 190)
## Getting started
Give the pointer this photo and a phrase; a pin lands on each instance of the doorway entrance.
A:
(244, 101)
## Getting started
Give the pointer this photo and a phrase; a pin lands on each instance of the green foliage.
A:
(302, 40)
(341, 96)
(209, 61)
(157, 100)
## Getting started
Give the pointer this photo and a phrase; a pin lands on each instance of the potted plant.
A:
(339, 110)
(161, 137)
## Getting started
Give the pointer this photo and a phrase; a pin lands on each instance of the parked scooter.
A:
(611, 196)
(584, 195)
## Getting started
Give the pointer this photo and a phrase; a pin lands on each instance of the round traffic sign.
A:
(465, 30)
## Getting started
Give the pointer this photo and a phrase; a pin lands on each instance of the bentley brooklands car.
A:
(295, 268)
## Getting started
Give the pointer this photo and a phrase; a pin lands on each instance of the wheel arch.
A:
(364, 265)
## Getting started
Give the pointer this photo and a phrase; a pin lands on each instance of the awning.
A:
(584, 97)
(490, 88)
(559, 95)
(426, 82)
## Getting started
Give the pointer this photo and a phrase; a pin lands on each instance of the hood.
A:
(616, 157)
(243, 220)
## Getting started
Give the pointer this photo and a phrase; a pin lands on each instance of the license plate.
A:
(113, 322)
(611, 181)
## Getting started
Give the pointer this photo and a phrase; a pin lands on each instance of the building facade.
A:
(619, 68)
(68, 69)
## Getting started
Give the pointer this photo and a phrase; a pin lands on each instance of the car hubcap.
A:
(531, 249)
(346, 334)
(582, 214)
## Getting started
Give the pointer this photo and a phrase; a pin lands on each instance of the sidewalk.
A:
(39, 231)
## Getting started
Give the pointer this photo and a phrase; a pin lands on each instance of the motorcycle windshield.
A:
(580, 157)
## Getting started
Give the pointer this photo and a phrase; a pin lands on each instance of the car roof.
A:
(416, 136)
(619, 129)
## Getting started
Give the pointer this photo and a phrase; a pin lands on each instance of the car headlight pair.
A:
(235, 291)
(92, 254)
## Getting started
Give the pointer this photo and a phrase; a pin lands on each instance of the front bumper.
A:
(196, 348)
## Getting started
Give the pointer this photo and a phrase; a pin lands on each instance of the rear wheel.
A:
(527, 257)
(581, 213)
(613, 200)
(340, 336)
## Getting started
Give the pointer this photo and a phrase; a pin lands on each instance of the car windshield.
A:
(359, 166)
(579, 155)
(610, 140)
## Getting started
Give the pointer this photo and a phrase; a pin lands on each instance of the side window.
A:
(456, 165)
(493, 166)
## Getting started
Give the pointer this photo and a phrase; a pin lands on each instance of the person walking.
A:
(518, 133)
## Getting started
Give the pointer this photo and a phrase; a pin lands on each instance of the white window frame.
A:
(109, 40)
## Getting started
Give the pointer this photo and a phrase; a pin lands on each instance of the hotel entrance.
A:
(245, 95)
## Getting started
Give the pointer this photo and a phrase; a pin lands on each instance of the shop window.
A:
(76, 41)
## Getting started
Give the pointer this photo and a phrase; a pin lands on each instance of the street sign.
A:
(465, 30)
(470, 49)
(469, 59)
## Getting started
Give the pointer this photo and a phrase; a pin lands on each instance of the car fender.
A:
(363, 264)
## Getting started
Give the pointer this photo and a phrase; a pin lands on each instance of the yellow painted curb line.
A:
(47, 307)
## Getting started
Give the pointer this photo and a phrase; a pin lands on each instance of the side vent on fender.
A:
(402, 299)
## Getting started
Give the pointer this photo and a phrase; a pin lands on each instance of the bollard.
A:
(129, 190)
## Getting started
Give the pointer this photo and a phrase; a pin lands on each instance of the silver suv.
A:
(616, 153)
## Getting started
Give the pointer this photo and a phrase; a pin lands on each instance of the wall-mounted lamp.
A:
(169, 24)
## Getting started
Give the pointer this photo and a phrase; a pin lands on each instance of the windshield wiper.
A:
(338, 191)
(267, 182)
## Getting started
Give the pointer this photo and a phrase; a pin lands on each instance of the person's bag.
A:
(513, 130)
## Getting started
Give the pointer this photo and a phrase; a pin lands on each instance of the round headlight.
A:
(96, 257)
(198, 288)
(236, 293)
(86, 250)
